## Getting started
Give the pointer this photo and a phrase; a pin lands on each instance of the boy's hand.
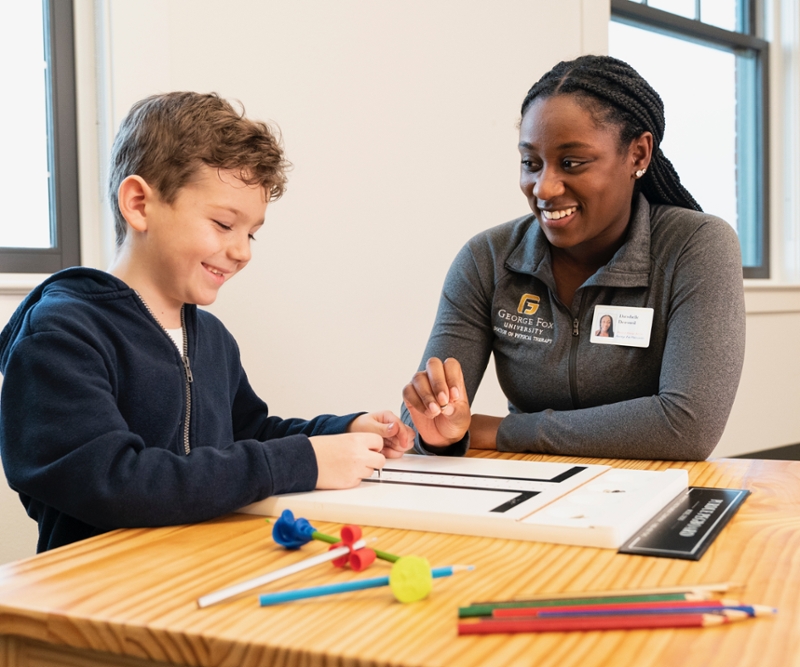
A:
(397, 437)
(344, 460)
(437, 401)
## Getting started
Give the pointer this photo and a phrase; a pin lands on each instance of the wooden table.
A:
(128, 597)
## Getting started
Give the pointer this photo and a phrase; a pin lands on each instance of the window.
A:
(709, 66)
(39, 184)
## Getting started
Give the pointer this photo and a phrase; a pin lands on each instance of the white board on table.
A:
(586, 505)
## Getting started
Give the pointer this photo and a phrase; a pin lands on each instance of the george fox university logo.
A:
(528, 304)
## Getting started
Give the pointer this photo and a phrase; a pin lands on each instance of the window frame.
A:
(63, 147)
(673, 25)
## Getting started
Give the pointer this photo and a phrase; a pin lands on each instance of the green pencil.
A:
(485, 608)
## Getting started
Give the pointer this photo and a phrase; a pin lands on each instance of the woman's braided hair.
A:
(615, 92)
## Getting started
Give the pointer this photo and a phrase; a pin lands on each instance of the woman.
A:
(612, 228)
(606, 329)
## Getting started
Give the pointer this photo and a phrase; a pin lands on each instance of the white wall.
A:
(18, 533)
(765, 413)
(400, 121)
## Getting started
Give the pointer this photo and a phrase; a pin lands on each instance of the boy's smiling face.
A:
(202, 239)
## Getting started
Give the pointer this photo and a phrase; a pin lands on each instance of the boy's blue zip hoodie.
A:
(93, 408)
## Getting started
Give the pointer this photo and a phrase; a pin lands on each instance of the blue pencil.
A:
(345, 587)
(750, 610)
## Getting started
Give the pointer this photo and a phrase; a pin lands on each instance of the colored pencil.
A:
(721, 587)
(687, 605)
(487, 608)
(225, 593)
(504, 626)
(729, 610)
(682, 592)
(346, 587)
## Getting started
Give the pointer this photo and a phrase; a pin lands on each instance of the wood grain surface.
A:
(129, 597)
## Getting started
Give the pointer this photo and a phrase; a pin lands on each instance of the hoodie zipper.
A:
(573, 354)
(187, 371)
(189, 379)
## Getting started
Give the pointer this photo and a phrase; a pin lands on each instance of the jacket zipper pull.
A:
(575, 327)
(187, 368)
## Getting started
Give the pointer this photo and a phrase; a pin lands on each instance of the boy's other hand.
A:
(436, 398)
(397, 437)
(344, 460)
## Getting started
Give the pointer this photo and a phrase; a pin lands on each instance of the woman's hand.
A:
(397, 437)
(437, 401)
(483, 432)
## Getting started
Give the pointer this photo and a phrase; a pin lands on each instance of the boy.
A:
(125, 405)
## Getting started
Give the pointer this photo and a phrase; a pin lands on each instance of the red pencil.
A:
(533, 610)
(486, 627)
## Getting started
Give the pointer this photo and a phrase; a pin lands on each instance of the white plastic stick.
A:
(225, 593)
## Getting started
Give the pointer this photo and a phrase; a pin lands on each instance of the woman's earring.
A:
(641, 173)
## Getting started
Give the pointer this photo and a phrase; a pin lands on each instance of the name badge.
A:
(622, 325)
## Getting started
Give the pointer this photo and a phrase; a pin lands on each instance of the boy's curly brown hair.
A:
(165, 138)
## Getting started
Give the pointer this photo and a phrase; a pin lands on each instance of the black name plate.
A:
(688, 525)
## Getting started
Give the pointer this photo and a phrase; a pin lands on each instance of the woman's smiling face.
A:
(578, 180)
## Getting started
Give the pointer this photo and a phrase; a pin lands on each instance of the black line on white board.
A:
(521, 496)
(403, 482)
(574, 470)
(568, 473)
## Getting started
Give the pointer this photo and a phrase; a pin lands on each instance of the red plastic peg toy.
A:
(358, 560)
